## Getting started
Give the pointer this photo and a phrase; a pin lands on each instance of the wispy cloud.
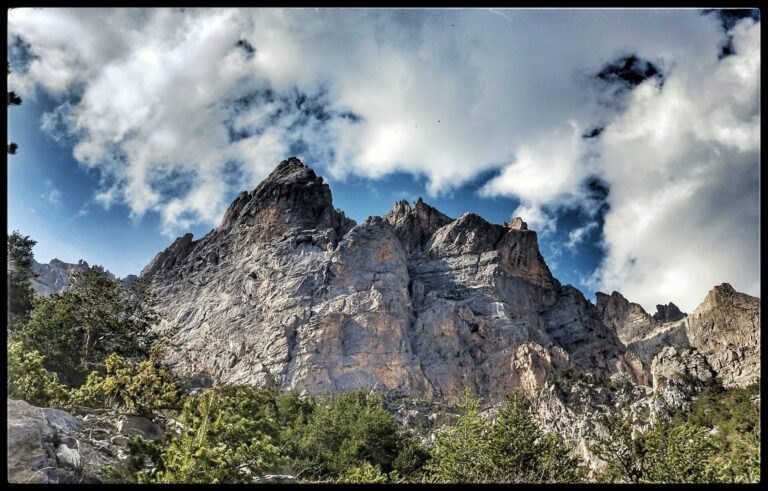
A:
(577, 235)
(52, 194)
(84, 210)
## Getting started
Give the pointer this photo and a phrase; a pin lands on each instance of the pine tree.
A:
(462, 451)
(20, 292)
(76, 330)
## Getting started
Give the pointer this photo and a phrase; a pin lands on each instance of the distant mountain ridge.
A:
(54, 276)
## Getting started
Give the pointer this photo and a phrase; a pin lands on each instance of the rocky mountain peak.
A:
(668, 313)
(516, 223)
(166, 259)
(725, 328)
(291, 196)
(288, 290)
(55, 276)
(629, 319)
(415, 225)
(721, 291)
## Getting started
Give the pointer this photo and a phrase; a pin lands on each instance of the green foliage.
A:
(76, 330)
(145, 459)
(365, 473)
(29, 381)
(462, 453)
(718, 440)
(136, 387)
(20, 275)
(623, 453)
(735, 421)
(678, 454)
(226, 437)
(511, 449)
(342, 432)
(522, 452)
(410, 461)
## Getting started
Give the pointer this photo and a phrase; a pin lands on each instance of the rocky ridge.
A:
(54, 277)
(287, 289)
(415, 304)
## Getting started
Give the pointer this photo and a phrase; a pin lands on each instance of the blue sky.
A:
(629, 139)
(69, 226)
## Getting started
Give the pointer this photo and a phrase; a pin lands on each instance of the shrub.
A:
(76, 330)
(137, 387)
(29, 381)
(342, 432)
(226, 437)
(511, 449)
(364, 473)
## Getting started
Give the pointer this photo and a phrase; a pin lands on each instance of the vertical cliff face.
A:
(288, 289)
(725, 328)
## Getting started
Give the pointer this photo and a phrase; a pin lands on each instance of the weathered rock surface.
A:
(628, 319)
(288, 289)
(54, 276)
(668, 313)
(725, 328)
(671, 334)
(52, 446)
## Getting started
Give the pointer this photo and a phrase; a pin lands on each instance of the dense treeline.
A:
(93, 346)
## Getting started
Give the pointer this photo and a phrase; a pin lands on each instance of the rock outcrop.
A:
(725, 328)
(630, 321)
(48, 445)
(288, 289)
(668, 313)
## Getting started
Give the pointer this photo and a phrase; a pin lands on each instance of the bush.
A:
(511, 449)
(140, 388)
(29, 381)
(364, 473)
(225, 437)
(342, 432)
(678, 454)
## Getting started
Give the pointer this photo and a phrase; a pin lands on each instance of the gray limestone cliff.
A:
(725, 328)
(288, 289)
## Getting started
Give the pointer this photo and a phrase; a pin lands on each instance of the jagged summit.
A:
(288, 290)
(414, 226)
(668, 313)
(291, 194)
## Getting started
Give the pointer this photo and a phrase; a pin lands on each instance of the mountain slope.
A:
(288, 289)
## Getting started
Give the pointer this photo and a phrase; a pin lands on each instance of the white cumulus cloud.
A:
(178, 109)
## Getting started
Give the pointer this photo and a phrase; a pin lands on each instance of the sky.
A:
(628, 139)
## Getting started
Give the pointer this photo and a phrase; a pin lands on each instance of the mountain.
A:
(288, 289)
(54, 276)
